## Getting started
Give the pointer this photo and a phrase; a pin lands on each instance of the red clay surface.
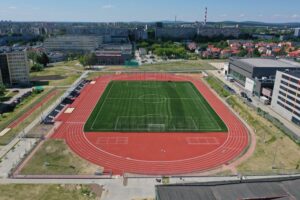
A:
(152, 153)
(30, 111)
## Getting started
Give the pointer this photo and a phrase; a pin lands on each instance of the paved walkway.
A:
(115, 189)
(12, 158)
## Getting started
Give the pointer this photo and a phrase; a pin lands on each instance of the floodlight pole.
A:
(274, 159)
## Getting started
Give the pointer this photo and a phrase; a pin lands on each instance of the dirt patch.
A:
(48, 78)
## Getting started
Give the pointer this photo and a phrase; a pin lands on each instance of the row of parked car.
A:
(243, 94)
(10, 107)
(50, 119)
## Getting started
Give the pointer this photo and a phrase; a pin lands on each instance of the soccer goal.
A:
(156, 127)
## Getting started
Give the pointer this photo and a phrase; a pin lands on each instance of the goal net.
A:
(156, 127)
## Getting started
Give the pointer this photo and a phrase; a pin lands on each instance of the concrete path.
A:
(115, 189)
(12, 158)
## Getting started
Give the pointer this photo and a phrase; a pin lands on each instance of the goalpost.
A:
(156, 127)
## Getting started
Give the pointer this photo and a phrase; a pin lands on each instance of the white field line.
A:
(102, 106)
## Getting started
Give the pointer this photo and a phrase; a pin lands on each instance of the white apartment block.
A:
(286, 95)
(14, 68)
(73, 43)
(297, 32)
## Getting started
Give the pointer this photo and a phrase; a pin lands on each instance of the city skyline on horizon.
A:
(137, 11)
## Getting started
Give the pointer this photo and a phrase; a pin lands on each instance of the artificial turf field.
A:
(153, 106)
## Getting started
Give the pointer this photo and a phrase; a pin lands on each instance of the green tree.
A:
(243, 53)
(88, 59)
(43, 59)
(256, 53)
(32, 56)
(37, 67)
(2, 89)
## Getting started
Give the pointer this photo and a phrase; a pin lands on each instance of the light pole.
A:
(274, 159)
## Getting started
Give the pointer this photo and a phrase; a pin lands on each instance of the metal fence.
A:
(276, 122)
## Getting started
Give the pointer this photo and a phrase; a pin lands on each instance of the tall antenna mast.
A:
(205, 17)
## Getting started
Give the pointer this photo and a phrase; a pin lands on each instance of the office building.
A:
(257, 74)
(286, 95)
(192, 32)
(110, 58)
(114, 54)
(14, 68)
(73, 43)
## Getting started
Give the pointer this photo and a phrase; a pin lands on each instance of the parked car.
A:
(226, 87)
(244, 95)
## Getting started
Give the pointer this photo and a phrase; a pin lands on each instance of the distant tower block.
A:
(205, 16)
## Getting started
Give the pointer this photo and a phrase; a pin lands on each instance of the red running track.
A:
(152, 153)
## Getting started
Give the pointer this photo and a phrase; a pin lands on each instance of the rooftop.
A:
(286, 190)
(263, 62)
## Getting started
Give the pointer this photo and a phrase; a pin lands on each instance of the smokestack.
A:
(205, 17)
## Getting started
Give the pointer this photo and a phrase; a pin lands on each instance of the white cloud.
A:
(108, 6)
(12, 7)
(242, 15)
(295, 16)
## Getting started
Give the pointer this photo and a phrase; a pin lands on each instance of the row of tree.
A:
(40, 61)
(88, 59)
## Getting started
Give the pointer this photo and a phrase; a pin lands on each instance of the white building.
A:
(286, 95)
(73, 43)
(297, 32)
(14, 68)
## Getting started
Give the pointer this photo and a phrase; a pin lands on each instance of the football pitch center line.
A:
(92, 127)
(197, 99)
(206, 109)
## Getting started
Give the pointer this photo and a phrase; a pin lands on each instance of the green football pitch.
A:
(153, 106)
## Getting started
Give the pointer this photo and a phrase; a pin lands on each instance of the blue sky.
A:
(150, 10)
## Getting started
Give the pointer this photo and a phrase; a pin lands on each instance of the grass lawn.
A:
(14, 115)
(46, 192)
(218, 86)
(185, 65)
(55, 158)
(61, 74)
(153, 106)
(273, 146)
